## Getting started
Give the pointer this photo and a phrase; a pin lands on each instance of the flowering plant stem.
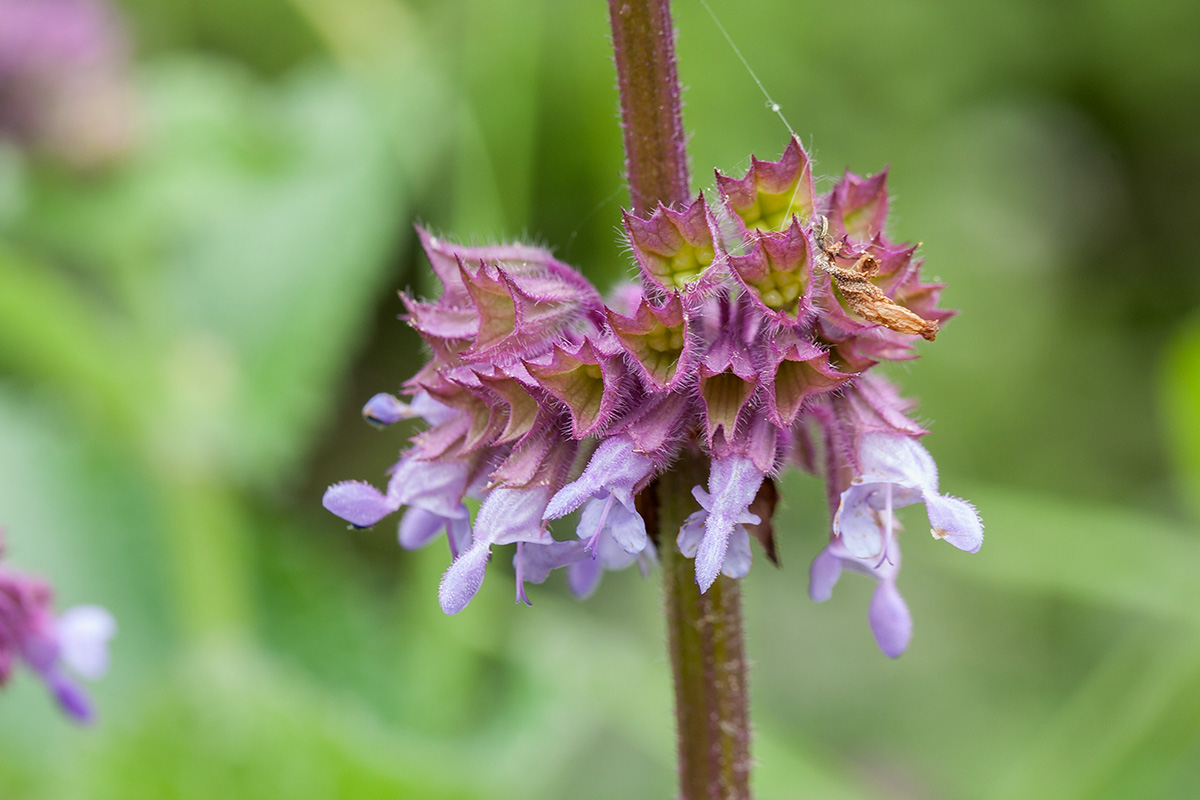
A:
(707, 656)
(704, 630)
(655, 147)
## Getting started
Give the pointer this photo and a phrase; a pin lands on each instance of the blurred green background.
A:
(188, 331)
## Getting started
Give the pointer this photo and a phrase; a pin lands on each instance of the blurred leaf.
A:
(1181, 404)
(391, 53)
(1145, 685)
(274, 258)
(233, 725)
(499, 52)
(1111, 557)
(247, 239)
(50, 331)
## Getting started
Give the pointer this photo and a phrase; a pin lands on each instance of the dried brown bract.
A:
(861, 294)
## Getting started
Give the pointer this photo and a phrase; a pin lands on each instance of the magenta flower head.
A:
(759, 313)
(65, 83)
(52, 647)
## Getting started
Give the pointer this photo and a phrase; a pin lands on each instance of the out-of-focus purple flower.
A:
(65, 87)
(757, 318)
(76, 641)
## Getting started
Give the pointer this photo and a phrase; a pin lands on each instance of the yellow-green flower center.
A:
(773, 212)
(689, 263)
(780, 289)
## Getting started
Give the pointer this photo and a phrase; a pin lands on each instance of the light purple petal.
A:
(536, 561)
(899, 460)
(360, 504)
(513, 515)
(430, 410)
(436, 486)
(594, 518)
(823, 575)
(519, 569)
(627, 529)
(385, 409)
(710, 556)
(463, 579)
(855, 523)
(418, 528)
(732, 483)
(956, 521)
(71, 698)
(614, 468)
(890, 620)
(902, 461)
(458, 532)
(613, 556)
(584, 576)
(738, 557)
(83, 633)
(691, 533)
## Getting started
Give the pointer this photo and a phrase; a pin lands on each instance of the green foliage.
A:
(184, 341)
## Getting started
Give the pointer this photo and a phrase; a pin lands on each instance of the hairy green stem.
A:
(651, 117)
(707, 655)
(704, 630)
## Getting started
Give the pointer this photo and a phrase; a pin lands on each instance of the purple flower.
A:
(732, 485)
(507, 516)
(756, 320)
(896, 472)
(616, 471)
(437, 487)
(599, 547)
(888, 614)
(735, 561)
(878, 465)
(76, 641)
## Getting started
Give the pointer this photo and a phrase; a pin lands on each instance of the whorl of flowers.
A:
(52, 647)
(66, 88)
(749, 336)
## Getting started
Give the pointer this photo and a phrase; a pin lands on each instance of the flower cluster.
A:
(745, 343)
(29, 632)
(65, 85)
